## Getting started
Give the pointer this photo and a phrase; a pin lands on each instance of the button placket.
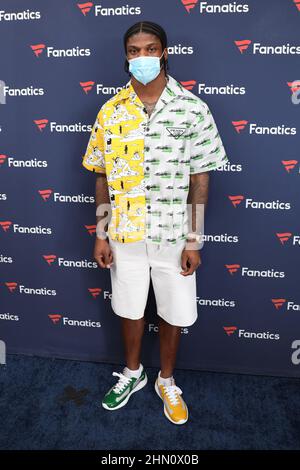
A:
(150, 217)
(147, 170)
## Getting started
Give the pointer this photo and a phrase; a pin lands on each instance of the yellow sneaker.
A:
(175, 408)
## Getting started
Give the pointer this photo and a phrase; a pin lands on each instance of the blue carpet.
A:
(54, 404)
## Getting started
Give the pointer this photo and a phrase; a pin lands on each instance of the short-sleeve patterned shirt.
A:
(148, 160)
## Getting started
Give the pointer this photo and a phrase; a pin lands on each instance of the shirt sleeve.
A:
(93, 159)
(206, 147)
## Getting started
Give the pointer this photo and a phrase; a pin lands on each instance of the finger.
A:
(100, 261)
(184, 263)
(111, 257)
(107, 260)
(188, 272)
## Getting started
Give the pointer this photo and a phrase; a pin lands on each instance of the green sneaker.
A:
(119, 394)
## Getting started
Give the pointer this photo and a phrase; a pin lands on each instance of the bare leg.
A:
(169, 336)
(132, 331)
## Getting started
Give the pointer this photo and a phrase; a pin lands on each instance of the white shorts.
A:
(130, 272)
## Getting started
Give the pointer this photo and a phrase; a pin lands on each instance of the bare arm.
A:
(197, 200)
(102, 197)
(102, 251)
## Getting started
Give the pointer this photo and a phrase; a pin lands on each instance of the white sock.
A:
(165, 381)
(133, 373)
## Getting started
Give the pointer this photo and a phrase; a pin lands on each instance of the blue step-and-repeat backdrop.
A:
(60, 61)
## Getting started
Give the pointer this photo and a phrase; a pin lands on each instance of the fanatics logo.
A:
(205, 7)
(87, 86)
(5, 224)
(91, 229)
(251, 334)
(258, 48)
(264, 130)
(45, 193)
(66, 321)
(251, 204)
(95, 291)
(236, 200)
(283, 237)
(176, 132)
(230, 330)
(243, 45)
(85, 7)
(11, 286)
(289, 164)
(189, 84)
(55, 318)
(2, 158)
(20, 15)
(289, 304)
(41, 123)
(54, 53)
(49, 259)
(239, 125)
(189, 4)
(232, 268)
(250, 272)
(13, 162)
(278, 303)
(64, 263)
(38, 49)
(58, 197)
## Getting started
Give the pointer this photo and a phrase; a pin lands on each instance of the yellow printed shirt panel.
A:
(116, 147)
(93, 159)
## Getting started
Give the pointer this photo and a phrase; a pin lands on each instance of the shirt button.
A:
(147, 168)
(148, 207)
(148, 187)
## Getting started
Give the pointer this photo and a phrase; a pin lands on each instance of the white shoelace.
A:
(172, 392)
(122, 382)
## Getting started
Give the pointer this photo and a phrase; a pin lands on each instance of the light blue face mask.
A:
(145, 68)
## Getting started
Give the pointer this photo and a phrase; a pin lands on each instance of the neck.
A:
(153, 89)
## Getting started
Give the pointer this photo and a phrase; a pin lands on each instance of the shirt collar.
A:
(172, 89)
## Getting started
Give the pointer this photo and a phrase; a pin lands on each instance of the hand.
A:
(190, 260)
(102, 253)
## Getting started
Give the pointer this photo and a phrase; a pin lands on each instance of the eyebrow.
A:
(147, 45)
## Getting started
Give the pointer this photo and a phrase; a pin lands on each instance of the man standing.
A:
(152, 147)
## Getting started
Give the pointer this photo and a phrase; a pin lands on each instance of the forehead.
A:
(142, 39)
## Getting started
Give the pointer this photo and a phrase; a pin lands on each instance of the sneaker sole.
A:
(124, 402)
(182, 421)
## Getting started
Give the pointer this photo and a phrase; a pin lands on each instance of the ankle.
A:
(165, 380)
(166, 375)
(133, 366)
(133, 372)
